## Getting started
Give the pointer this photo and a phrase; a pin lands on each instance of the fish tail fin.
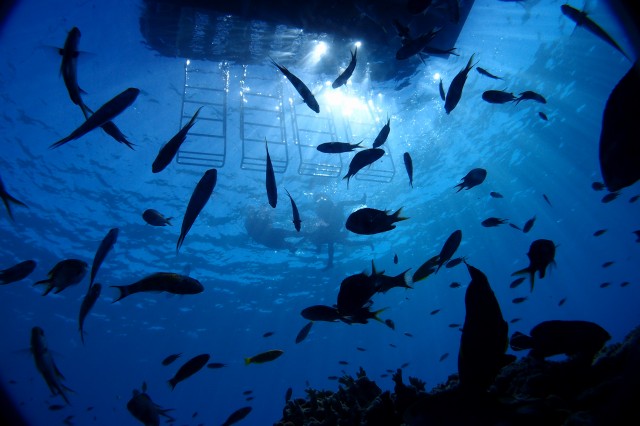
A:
(179, 243)
(124, 292)
(408, 278)
(396, 216)
(247, 361)
(459, 186)
(470, 64)
(377, 313)
(59, 143)
(526, 271)
(46, 282)
(172, 383)
(520, 341)
(85, 109)
(168, 221)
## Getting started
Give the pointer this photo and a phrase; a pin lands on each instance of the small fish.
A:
(454, 94)
(169, 359)
(382, 135)
(496, 194)
(624, 283)
(498, 97)
(332, 377)
(287, 394)
(441, 89)
(301, 88)
(493, 221)
(528, 225)
(449, 248)
(337, 147)
(87, 303)
(515, 283)
(598, 186)
(607, 264)
(105, 246)
(215, 365)
(8, 198)
(247, 392)
(634, 198)
(161, 281)
(272, 189)
(405, 365)
(610, 197)
(454, 325)
(17, 272)
(562, 301)
(395, 259)
(637, 234)
(304, 332)
(188, 369)
(444, 356)
(102, 115)
(455, 262)
(343, 363)
(237, 415)
(541, 254)
(155, 218)
(46, 365)
(69, 68)
(361, 349)
(427, 268)
(514, 226)
(392, 345)
(435, 311)
(264, 357)
(543, 116)
(515, 320)
(296, 214)
(406, 333)
(65, 273)
(268, 334)
(199, 198)
(344, 77)
(361, 160)
(408, 164)
(605, 285)
(474, 178)
(320, 313)
(455, 285)
(56, 407)
(581, 19)
(368, 221)
(170, 149)
(599, 232)
(389, 323)
(488, 74)
(530, 95)
(415, 46)
(519, 299)
(546, 199)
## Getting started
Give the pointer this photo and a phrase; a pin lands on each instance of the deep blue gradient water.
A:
(78, 192)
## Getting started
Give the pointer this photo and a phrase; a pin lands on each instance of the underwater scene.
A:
(327, 213)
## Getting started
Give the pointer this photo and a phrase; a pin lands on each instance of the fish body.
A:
(493, 221)
(17, 272)
(408, 164)
(161, 281)
(46, 365)
(105, 113)
(272, 189)
(105, 246)
(304, 332)
(216, 365)
(449, 248)
(515, 283)
(301, 88)
(188, 369)
(443, 96)
(361, 160)
(199, 198)
(170, 358)
(65, 273)
(546, 199)
(454, 94)
(488, 74)
(484, 338)
(518, 300)
(543, 116)
(237, 415)
(498, 96)
(264, 357)
(496, 195)
(474, 178)
(414, 46)
(368, 221)
(582, 20)
(296, 215)
(142, 407)
(69, 68)
(599, 232)
(87, 303)
(541, 254)
(382, 135)
(455, 262)
(529, 95)
(337, 147)
(557, 337)
(170, 149)
(355, 292)
(528, 225)
(346, 74)
(321, 313)
(155, 218)
(8, 198)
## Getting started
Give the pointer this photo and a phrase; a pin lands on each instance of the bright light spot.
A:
(358, 44)
(320, 49)
(348, 105)
(188, 62)
(436, 76)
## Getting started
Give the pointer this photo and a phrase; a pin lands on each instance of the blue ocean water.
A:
(76, 193)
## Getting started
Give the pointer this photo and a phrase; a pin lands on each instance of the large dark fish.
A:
(17, 272)
(69, 68)
(337, 147)
(342, 78)
(304, 332)
(105, 246)
(65, 273)
(455, 88)
(320, 313)
(383, 283)
(449, 248)
(87, 303)
(581, 19)
(142, 407)
(199, 198)
(408, 164)
(541, 254)
(382, 135)
(557, 337)
(474, 178)
(161, 281)
(427, 268)
(302, 89)
(188, 369)
(8, 198)
(236, 416)
(270, 179)
(619, 151)
(528, 225)
(484, 338)
(264, 357)
(155, 218)
(296, 214)
(170, 149)
(498, 97)
(361, 160)
(488, 74)
(355, 292)
(105, 113)
(368, 221)
(45, 364)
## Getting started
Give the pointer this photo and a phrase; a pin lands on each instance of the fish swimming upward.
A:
(105, 246)
(87, 303)
(270, 179)
(454, 94)
(344, 77)
(199, 198)
(69, 68)
(302, 89)
(170, 149)
(46, 365)
(8, 198)
(296, 214)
